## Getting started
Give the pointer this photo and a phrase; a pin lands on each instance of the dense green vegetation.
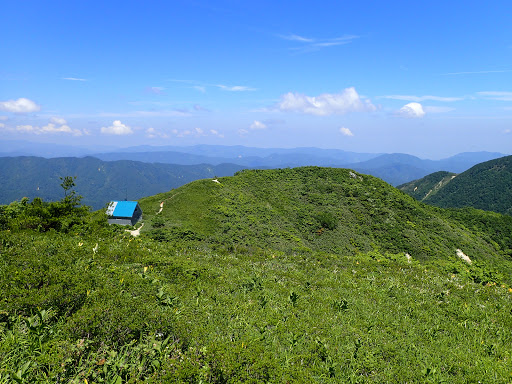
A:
(485, 186)
(245, 280)
(427, 186)
(97, 181)
(310, 209)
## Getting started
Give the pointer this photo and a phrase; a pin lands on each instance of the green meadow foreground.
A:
(294, 275)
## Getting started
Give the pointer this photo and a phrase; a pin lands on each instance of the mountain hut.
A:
(124, 212)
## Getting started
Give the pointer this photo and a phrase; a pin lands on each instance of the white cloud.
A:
(51, 128)
(152, 133)
(346, 132)
(507, 131)
(421, 98)
(3, 118)
(25, 128)
(243, 132)
(117, 128)
(412, 110)
(57, 120)
(496, 95)
(21, 105)
(325, 104)
(197, 132)
(2, 125)
(257, 125)
(73, 79)
(214, 132)
(433, 109)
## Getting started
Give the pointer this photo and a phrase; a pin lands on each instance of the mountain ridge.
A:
(486, 186)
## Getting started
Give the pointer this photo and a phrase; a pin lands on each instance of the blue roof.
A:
(122, 208)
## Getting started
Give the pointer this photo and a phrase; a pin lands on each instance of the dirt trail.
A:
(135, 232)
(169, 198)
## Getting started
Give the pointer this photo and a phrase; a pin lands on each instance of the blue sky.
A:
(430, 79)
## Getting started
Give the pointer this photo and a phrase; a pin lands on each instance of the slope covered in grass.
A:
(208, 294)
(315, 209)
(139, 310)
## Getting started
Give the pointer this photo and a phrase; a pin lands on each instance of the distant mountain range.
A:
(145, 170)
(396, 168)
(486, 186)
(97, 181)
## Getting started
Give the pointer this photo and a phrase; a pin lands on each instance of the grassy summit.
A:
(310, 209)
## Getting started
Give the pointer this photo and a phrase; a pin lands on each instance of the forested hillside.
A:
(97, 181)
(427, 186)
(486, 186)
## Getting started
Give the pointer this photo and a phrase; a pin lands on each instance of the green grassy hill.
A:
(314, 209)
(424, 188)
(293, 275)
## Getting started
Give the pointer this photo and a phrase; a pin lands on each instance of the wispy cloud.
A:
(496, 95)
(171, 113)
(325, 104)
(201, 87)
(234, 88)
(421, 98)
(435, 109)
(155, 90)
(297, 38)
(200, 108)
(309, 44)
(474, 72)
(74, 79)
